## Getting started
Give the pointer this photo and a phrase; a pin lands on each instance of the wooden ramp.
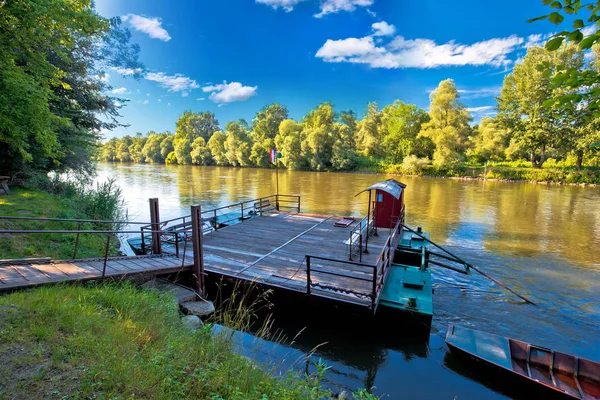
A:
(17, 274)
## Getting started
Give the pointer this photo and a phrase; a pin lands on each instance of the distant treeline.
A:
(397, 134)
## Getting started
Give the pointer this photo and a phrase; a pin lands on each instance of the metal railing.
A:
(360, 233)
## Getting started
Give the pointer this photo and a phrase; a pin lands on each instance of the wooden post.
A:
(76, 241)
(155, 222)
(197, 248)
(308, 275)
(374, 299)
(106, 255)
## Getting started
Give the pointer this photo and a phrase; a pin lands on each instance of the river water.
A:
(543, 241)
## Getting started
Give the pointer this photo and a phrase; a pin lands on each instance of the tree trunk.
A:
(533, 162)
(579, 159)
(542, 156)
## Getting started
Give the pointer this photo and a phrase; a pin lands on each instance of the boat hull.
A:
(556, 374)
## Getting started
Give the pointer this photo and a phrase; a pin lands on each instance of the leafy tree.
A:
(265, 127)
(166, 146)
(289, 143)
(490, 141)
(200, 152)
(369, 136)
(534, 127)
(216, 144)
(135, 149)
(403, 123)
(123, 149)
(343, 157)
(576, 86)
(52, 105)
(237, 144)
(183, 148)
(193, 125)
(151, 150)
(317, 136)
(448, 127)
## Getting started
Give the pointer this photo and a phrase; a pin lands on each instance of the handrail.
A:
(358, 231)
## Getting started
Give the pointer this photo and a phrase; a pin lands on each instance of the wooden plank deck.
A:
(271, 250)
(17, 275)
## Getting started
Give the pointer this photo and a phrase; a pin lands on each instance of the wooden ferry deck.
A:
(271, 249)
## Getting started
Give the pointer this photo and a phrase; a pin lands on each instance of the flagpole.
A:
(277, 182)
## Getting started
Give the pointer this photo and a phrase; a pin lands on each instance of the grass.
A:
(99, 203)
(118, 341)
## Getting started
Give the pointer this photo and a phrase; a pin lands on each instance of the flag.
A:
(273, 156)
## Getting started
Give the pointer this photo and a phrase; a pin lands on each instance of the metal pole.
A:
(277, 182)
(368, 213)
(308, 275)
(76, 241)
(106, 255)
(242, 205)
(197, 248)
(374, 288)
(155, 220)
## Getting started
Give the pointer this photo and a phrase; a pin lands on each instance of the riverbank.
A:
(66, 201)
(116, 340)
(551, 173)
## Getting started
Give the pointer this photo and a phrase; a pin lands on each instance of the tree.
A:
(152, 148)
(52, 105)
(200, 152)
(536, 128)
(317, 136)
(289, 142)
(575, 86)
(183, 148)
(216, 144)
(166, 146)
(123, 149)
(265, 127)
(343, 157)
(403, 123)
(448, 127)
(135, 149)
(369, 136)
(193, 125)
(490, 141)
(237, 144)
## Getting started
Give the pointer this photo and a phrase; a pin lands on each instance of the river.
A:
(543, 241)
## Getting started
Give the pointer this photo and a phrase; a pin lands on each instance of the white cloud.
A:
(151, 26)
(168, 104)
(286, 5)
(334, 6)
(480, 92)
(589, 30)
(159, 100)
(200, 98)
(229, 92)
(127, 71)
(419, 53)
(383, 29)
(145, 102)
(120, 90)
(480, 109)
(174, 83)
(147, 94)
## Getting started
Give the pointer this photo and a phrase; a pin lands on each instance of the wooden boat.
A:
(573, 377)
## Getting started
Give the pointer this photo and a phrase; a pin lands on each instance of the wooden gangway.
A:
(266, 241)
(24, 273)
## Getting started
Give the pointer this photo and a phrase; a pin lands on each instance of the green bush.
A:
(413, 165)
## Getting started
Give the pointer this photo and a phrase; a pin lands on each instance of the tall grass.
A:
(118, 341)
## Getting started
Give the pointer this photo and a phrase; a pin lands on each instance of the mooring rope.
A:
(468, 265)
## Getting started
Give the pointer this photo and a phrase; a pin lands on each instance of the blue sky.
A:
(232, 57)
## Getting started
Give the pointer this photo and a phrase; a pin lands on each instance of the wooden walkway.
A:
(271, 250)
(17, 274)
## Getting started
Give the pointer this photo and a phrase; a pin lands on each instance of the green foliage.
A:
(289, 142)
(51, 95)
(237, 143)
(402, 124)
(413, 165)
(200, 152)
(585, 83)
(216, 144)
(118, 341)
(448, 127)
(489, 142)
(56, 198)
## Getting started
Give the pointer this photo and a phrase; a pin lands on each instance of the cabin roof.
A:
(390, 186)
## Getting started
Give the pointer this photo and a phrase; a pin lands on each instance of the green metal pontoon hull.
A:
(407, 291)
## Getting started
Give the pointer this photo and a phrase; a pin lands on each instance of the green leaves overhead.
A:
(554, 43)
